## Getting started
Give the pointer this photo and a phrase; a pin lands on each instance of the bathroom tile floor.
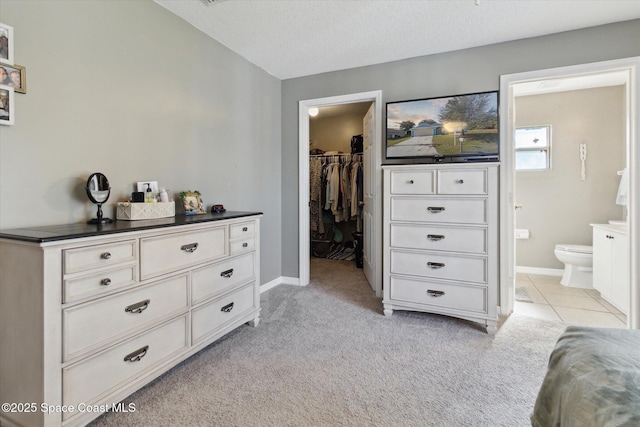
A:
(553, 301)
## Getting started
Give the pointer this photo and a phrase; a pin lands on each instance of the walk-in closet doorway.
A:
(372, 177)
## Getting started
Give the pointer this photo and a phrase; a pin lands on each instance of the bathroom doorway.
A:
(619, 73)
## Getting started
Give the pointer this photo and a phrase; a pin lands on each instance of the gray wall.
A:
(463, 71)
(128, 89)
(557, 205)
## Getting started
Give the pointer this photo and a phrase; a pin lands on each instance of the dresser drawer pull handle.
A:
(138, 307)
(227, 273)
(136, 355)
(245, 229)
(190, 247)
(106, 255)
(435, 265)
(435, 294)
(459, 181)
(105, 282)
(435, 237)
(227, 308)
(435, 209)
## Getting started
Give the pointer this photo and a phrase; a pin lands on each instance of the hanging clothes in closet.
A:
(335, 183)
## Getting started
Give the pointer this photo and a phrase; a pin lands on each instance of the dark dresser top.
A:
(52, 233)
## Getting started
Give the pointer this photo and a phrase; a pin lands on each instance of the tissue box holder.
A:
(136, 211)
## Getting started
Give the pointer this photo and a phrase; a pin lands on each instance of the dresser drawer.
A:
(105, 372)
(439, 210)
(99, 256)
(88, 325)
(212, 280)
(242, 229)
(94, 285)
(437, 266)
(173, 252)
(458, 297)
(242, 245)
(455, 181)
(213, 316)
(440, 238)
(412, 182)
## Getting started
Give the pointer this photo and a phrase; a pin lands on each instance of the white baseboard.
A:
(538, 270)
(282, 280)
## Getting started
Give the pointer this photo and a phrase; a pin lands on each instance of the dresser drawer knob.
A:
(105, 282)
(191, 247)
(435, 265)
(245, 245)
(106, 255)
(459, 181)
(137, 355)
(435, 237)
(435, 209)
(435, 294)
(227, 308)
(245, 229)
(227, 273)
(410, 181)
(138, 307)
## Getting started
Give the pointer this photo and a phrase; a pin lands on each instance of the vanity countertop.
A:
(620, 228)
(52, 233)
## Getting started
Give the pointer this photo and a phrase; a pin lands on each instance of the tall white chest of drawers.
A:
(89, 315)
(441, 241)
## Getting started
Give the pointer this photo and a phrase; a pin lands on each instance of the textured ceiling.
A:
(294, 38)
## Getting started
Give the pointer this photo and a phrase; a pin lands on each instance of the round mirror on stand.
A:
(98, 191)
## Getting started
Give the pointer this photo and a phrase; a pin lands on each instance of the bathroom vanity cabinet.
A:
(92, 313)
(611, 264)
(441, 241)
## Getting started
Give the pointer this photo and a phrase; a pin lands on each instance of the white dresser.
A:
(441, 241)
(90, 314)
(611, 264)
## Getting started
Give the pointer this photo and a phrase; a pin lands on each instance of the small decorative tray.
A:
(135, 211)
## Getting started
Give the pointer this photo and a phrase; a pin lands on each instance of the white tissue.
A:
(621, 198)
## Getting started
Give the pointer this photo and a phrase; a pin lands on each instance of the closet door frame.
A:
(303, 185)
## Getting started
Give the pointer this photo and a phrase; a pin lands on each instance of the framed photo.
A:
(192, 203)
(6, 44)
(6, 105)
(14, 76)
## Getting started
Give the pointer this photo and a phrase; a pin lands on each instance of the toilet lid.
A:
(582, 249)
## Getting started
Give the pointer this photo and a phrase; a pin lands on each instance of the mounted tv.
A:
(449, 129)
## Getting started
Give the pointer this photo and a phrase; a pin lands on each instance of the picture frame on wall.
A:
(6, 44)
(7, 114)
(16, 77)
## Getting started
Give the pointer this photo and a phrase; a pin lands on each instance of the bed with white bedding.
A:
(593, 379)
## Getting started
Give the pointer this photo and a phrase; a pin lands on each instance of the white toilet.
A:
(578, 263)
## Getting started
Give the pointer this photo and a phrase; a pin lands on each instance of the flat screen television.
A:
(448, 129)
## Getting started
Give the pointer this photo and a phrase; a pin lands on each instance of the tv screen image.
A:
(458, 128)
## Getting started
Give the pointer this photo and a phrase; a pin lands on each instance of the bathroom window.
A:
(533, 148)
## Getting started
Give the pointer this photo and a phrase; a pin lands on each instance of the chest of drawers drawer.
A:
(159, 255)
(468, 182)
(213, 316)
(452, 239)
(452, 296)
(91, 324)
(99, 256)
(96, 284)
(439, 210)
(414, 182)
(438, 266)
(242, 229)
(215, 279)
(86, 381)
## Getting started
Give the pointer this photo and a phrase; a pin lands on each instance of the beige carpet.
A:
(324, 355)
